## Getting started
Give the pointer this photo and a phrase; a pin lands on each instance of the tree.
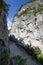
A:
(4, 6)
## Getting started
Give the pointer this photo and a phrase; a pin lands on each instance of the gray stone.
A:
(3, 35)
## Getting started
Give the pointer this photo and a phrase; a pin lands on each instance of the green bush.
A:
(5, 57)
(5, 54)
(37, 54)
(33, 50)
(18, 60)
(36, 50)
(28, 49)
(40, 58)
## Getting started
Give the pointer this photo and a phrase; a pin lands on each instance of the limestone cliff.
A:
(28, 26)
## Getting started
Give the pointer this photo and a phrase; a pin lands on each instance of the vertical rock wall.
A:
(3, 39)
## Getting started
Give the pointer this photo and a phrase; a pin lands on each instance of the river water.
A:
(17, 50)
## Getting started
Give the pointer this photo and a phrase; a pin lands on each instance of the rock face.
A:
(24, 25)
(3, 28)
(3, 37)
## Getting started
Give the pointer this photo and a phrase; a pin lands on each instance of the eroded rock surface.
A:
(24, 25)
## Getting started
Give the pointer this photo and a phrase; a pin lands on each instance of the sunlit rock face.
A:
(24, 26)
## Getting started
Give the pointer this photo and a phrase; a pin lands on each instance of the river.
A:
(17, 50)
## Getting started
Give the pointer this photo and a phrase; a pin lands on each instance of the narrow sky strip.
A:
(14, 6)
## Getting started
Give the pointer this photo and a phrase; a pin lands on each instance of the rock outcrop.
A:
(3, 28)
(27, 26)
(4, 50)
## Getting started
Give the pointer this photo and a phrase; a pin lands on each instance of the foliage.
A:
(13, 39)
(21, 41)
(37, 50)
(5, 57)
(40, 8)
(27, 11)
(40, 58)
(19, 60)
(37, 9)
(33, 0)
(4, 6)
(5, 54)
(32, 10)
(33, 50)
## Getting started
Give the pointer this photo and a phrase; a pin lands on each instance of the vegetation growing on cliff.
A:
(27, 3)
(33, 0)
(27, 11)
(5, 57)
(32, 10)
(4, 6)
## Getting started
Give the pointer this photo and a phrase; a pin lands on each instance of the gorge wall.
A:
(27, 26)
